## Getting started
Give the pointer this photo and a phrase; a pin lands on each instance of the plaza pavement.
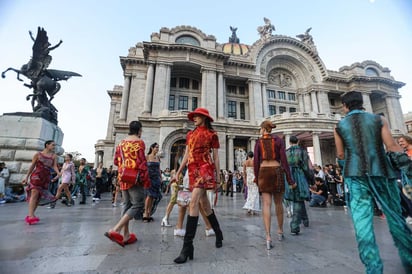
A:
(70, 240)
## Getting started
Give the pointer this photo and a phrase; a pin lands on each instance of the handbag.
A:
(184, 195)
(129, 175)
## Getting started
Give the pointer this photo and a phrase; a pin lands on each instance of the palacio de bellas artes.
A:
(278, 77)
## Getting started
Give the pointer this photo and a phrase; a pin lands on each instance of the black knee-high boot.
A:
(215, 225)
(187, 250)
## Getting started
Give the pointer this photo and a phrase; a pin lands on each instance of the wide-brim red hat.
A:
(200, 111)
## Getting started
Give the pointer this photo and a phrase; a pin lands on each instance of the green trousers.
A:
(362, 192)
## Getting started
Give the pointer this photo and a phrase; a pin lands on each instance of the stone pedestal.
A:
(21, 137)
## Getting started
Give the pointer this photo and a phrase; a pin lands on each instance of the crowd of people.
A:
(271, 172)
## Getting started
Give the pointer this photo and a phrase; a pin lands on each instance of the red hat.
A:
(200, 111)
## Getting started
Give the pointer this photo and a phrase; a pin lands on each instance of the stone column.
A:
(148, 96)
(265, 104)
(314, 98)
(307, 103)
(231, 161)
(255, 101)
(96, 159)
(211, 91)
(395, 116)
(301, 103)
(112, 114)
(287, 135)
(252, 143)
(367, 102)
(203, 95)
(161, 90)
(221, 98)
(323, 102)
(316, 148)
(125, 98)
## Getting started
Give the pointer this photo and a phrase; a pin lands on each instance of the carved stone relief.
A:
(280, 78)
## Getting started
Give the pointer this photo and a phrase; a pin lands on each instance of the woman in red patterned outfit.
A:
(201, 158)
(130, 153)
(39, 175)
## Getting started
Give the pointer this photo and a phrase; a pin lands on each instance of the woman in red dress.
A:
(38, 178)
(203, 169)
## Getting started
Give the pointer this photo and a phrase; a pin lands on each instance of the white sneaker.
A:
(409, 220)
(179, 232)
(114, 205)
(210, 232)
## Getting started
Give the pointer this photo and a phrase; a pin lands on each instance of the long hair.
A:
(208, 123)
(152, 146)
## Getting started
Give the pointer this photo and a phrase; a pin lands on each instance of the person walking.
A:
(38, 179)
(298, 160)
(130, 154)
(68, 177)
(154, 193)
(361, 139)
(203, 168)
(82, 179)
(270, 166)
(252, 204)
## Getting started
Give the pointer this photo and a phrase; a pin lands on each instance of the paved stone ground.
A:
(70, 240)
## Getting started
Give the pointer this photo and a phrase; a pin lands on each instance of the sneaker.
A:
(210, 232)
(52, 205)
(179, 232)
(114, 205)
(2, 201)
(409, 220)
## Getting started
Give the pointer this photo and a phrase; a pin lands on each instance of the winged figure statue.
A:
(43, 81)
(306, 37)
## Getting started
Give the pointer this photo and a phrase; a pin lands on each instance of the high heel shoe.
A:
(187, 252)
(269, 245)
(280, 237)
(165, 222)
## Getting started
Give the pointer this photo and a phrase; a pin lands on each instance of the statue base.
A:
(21, 136)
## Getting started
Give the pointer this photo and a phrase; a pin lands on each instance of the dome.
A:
(235, 48)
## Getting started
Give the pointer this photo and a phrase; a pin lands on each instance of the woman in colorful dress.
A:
(252, 204)
(270, 165)
(68, 177)
(154, 193)
(203, 168)
(38, 178)
(130, 154)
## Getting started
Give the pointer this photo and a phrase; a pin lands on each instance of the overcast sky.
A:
(95, 33)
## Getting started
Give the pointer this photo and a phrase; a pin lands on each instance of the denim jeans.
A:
(316, 200)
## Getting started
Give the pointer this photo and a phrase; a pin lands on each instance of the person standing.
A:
(154, 193)
(361, 139)
(130, 154)
(270, 166)
(83, 173)
(298, 160)
(99, 182)
(252, 204)
(405, 142)
(201, 158)
(68, 177)
(4, 176)
(38, 179)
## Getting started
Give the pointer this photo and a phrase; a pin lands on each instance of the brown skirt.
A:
(271, 180)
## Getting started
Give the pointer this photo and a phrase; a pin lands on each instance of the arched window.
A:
(371, 72)
(187, 39)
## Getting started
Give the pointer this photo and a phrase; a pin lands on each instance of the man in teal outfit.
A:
(371, 173)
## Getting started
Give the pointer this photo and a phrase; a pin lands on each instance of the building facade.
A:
(278, 77)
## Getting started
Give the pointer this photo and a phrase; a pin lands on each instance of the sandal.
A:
(115, 237)
(132, 239)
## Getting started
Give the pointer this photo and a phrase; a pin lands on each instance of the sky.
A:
(96, 33)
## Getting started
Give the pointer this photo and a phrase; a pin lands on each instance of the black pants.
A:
(99, 186)
(229, 187)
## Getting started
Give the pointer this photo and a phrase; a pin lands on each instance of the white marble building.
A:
(278, 77)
